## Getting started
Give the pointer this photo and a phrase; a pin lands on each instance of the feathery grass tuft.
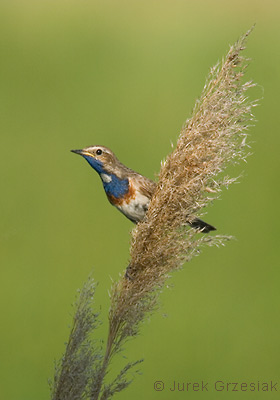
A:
(190, 178)
(78, 371)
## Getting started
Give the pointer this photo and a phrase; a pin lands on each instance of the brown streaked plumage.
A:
(129, 191)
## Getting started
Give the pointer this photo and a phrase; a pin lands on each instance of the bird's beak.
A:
(81, 152)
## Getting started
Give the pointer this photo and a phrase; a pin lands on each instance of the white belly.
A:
(136, 209)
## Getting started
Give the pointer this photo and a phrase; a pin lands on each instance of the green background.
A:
(126, 74)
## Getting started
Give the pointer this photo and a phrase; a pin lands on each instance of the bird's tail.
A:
(201, 225)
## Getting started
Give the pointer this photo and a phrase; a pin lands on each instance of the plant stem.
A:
(107, 356)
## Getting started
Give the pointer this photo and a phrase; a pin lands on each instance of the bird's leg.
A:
(127, 275)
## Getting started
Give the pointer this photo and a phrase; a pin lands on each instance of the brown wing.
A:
(146, 186)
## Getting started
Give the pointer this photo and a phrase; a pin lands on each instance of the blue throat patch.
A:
(117, 187)
(95, 164)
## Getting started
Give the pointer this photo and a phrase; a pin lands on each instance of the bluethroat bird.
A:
(127, 190)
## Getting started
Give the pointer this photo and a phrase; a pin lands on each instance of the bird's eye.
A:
(98, 152)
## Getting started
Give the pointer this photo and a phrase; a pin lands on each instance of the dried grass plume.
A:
(190, 177)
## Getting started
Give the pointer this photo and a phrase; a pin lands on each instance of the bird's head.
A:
(99, 157)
